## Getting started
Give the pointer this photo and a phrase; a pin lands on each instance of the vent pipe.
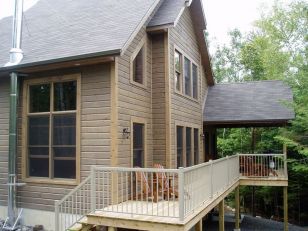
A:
(16, 56)
(16, 53)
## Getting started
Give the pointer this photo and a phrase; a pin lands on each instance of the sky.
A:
(221, 15)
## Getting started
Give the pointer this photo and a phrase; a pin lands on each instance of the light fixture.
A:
(202, 135)
(126, 133)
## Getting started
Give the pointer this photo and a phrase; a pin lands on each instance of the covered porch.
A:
(250, 105)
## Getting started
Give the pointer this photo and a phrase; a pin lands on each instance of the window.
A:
(195, 81)
(138, 67)
(51, 130)
(179, 146)
(187, 72)
(196, 146)
(178, 70)
(188, 147)
(138, 145)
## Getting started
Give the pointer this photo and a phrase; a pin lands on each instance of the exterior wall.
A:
(4, 137)
(94, 137)
(158, 99)
(186, 111)
(135, 102)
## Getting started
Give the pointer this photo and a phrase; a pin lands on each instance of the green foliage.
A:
(277, 48)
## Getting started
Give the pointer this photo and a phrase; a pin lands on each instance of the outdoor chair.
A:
(164, 183)
(143, 186)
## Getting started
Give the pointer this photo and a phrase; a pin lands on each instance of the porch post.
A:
(237, 209)
(285, 207)
(221, 215)
(110, 228)
(198, 226)
(285, 160)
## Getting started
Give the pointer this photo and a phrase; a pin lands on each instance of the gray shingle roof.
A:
(250, 101)
(168, 13)
(54, 29)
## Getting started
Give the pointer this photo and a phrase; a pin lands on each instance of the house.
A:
(105, 86)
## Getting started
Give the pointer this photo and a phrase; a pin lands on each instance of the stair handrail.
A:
(58, 203)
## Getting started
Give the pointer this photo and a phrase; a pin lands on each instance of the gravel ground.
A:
(253, 224)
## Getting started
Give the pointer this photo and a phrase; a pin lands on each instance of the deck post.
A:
(181, 193)
(57, 215)
(110, 228)
(221, 215)
(198, 226)
(285, 160)
(93, 189)
(211, 172)
(237, 209)
(285, 207)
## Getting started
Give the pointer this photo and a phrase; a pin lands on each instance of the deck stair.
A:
(81, 225)
(108, 197)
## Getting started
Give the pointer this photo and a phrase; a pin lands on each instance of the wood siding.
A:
(186, 111)
(134, 101)
(4, 137)
(94, 137)
(158, 99)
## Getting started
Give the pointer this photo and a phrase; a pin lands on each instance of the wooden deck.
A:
(132, 218)
(199, 189)
(162, 211)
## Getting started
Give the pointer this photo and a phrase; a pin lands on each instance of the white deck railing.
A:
(263, 165)
(156, 192)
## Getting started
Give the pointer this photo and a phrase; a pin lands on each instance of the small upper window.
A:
(195, 81)
(138, 67)
(187, 72)
(178, 70)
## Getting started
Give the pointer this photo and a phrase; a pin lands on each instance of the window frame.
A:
(180, 72)
(184, 126)
(138, 120)
(24, 134)
(141, 45)
(176, 145)
(192, 62)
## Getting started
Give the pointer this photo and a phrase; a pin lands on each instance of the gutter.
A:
(59, 60)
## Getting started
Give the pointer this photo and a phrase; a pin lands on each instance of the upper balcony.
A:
(154, 198)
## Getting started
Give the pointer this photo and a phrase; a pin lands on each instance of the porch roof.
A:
(259, 103)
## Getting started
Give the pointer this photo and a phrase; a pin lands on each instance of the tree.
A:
(275, 49)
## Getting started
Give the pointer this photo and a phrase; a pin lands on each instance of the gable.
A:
(169, 15)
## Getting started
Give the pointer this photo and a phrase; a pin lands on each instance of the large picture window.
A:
(51, 129)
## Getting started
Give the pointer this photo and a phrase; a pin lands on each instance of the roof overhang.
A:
(66, 62)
